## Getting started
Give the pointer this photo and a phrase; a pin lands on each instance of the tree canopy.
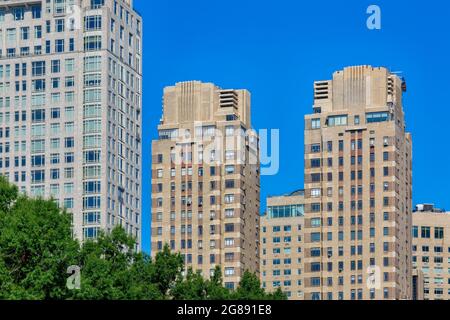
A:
(37, 248)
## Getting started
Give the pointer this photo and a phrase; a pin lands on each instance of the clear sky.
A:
(276, 49)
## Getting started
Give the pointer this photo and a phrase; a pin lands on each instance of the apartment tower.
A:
(431, 251)
(282, 245)
(70, 108)
(358, 211)
(205, 180)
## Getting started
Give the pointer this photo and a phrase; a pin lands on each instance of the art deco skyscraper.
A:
(358, 188)
(205, 180)
(70, 105)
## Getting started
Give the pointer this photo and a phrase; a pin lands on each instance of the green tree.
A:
(194, 287)
(250, 289)
(190, 287)
(214, 287)
(277, 295)
(112, 270)
(36, 247)
(167, 270)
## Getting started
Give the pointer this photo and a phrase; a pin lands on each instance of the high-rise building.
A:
(70, 108)
(358, 210)
(205, 180)
(431, 251)
(282, 245)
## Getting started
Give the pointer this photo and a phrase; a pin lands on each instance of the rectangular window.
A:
(38, 68)
(92, 43)
(415, 232)
(315, 123)
(92, 23)
(439, 233)
(19, 13)
(425, 232)
(36, 12)
(372, 117)
(59, 45)
(340, 120)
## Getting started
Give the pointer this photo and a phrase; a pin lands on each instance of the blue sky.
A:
(276, 49)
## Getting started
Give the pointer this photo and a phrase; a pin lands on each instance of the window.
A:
(92, 43)
(59, 25)
(69, 65)
(229, 227)
(38, 115)
(315, 148)
(315, 123)
(92, 80)
(56, 66)
(91, 202)
(91, 232)
(229, 184)
(69, 142)
(285, 211)
(38, 85)
(69, 82)
(92, 95)
(315, 237)
(340, 120)
(19, 13)
(315, 163)
(92, 64)
(37, 176)
(92, 23)
(425, 232)
(38, 68)
(95, 4)
(36, 12)
(372, 117)
(91, 187)
(91, 218)
(439, 233)
(316, 222)
(38, 32)
(56, 83)
(55, 113)
(229, 198)
(229, 169)
(315, 207)
(24, 33)
(59, 45)
(315, 193)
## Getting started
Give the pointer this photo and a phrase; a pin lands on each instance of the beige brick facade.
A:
(205, 180)
(431, 251)
(358, 188)
(282, 245)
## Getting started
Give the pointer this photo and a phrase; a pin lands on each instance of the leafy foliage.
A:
(36, 248)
